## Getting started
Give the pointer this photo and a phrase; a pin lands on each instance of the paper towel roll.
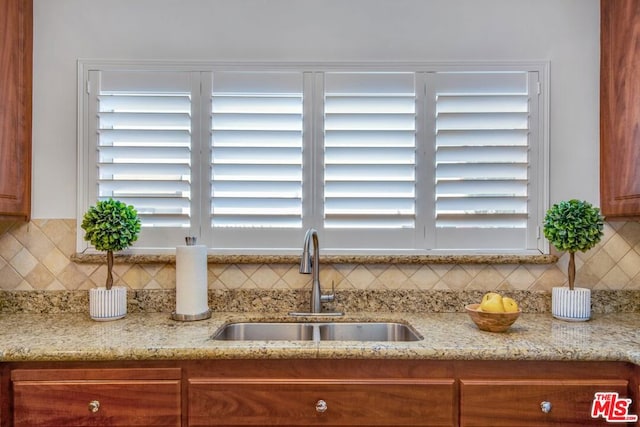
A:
(191, 280)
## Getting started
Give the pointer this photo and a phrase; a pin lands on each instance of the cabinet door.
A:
(619, 108)
(136, 397)
(534, 403)
(397, 403)
(16, 39)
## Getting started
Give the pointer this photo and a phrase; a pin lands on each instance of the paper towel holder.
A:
(191, 317)
(191, 241)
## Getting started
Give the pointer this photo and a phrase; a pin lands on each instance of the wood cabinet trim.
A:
(79, 374)
(546, 382)
(314, 381)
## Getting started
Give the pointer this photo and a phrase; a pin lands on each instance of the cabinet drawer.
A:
(90, 401)
(518, 402)
(358, 402)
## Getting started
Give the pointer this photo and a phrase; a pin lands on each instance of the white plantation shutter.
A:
(256, 162)
(379, 158)
(143, 148)
(369, 150)
(482, 159)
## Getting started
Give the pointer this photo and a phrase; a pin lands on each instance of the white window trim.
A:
(84, 66)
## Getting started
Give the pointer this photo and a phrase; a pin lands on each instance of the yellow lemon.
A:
(509, 305)
(492, 303)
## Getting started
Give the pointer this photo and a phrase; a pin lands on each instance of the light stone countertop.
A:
(447, 336)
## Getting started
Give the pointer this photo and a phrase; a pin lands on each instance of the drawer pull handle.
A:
(545, 407)
(94, 406)
(321, 406)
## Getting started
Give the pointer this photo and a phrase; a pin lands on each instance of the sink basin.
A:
(316, 331)
(248, 331)
(368, 331)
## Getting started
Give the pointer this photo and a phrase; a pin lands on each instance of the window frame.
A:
(310, 212)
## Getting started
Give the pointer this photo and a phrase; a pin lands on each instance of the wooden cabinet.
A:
(16, 40)
(301, 392)
(535, 403)
(329, 402)
(96, 397)
(321, 392)
(619, 108)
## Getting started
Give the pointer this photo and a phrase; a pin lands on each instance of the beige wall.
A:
(36, 256)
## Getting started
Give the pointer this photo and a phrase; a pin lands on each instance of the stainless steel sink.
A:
(317, 331)
(249, 331)
(367, 331)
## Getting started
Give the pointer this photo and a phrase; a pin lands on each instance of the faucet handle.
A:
(329, 297)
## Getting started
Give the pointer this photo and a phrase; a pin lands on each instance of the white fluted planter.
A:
(109, 304)
(572, 305)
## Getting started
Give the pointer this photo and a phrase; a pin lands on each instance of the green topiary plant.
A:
(572, 226)
(111, 225)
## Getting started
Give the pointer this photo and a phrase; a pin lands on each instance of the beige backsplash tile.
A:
(617, 247)
(487, 276)
(630, 263)
(614, 279)
(550, 277)
(136, 277)
(23, 262)
(520, 279)
(600, 263)
(630, 231)
(166, 277)
(9, 278)
(9, 245)
(457, 278)
(37, 256)
(78, 276)
(422, 277)
(232, 277)
(40, 277)
(360, 277)
(55, 261)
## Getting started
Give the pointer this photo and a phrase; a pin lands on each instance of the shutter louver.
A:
(482, 149)
(144, 145)
(369, 150)
(257, 150)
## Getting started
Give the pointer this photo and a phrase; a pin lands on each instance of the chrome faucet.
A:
(312, 265)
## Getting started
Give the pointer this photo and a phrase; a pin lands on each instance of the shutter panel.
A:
(482, 159)
(369, 150)
(144, 144)
(435, 159)
(257, 149)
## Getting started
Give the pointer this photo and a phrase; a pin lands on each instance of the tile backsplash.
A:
(36, 256)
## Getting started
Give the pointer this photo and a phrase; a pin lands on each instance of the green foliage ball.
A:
(111, 225)
(573, 225)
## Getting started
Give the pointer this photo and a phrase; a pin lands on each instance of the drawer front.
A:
(96, 403)
(519, 402)
(322, 402)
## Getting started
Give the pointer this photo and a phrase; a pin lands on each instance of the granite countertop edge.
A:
(447, 336)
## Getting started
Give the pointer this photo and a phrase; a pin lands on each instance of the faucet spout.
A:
(310, 263)
(305, 259)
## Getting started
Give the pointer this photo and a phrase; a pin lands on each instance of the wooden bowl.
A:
(492, 322)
